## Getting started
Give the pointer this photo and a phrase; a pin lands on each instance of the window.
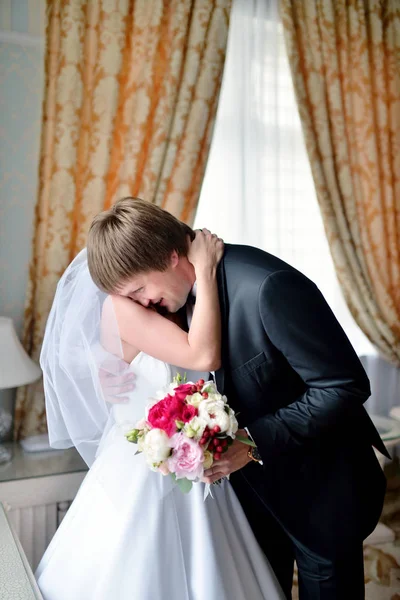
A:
(258, 187)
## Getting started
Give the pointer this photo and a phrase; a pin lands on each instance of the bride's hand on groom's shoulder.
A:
(206, 250)
(116, 380)
(235, 458)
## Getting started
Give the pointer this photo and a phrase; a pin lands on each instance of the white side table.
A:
(36, 490)
(17, 581)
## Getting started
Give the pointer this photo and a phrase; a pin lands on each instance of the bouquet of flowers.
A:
(184, 431)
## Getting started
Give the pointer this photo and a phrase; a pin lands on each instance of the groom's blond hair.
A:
(133, 237)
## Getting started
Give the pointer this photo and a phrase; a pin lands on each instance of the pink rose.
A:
(159, 417)
(186, 459)
(176, 407)
(185, 389)
(188, 413)
(168, 411)
(181, 396)
(180, 411)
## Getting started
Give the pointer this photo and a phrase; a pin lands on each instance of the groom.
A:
(312, 489)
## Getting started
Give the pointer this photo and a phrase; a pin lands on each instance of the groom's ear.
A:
(174, 261)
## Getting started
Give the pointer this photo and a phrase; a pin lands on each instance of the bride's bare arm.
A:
(143, 329)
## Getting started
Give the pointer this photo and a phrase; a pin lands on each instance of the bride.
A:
(131, 533)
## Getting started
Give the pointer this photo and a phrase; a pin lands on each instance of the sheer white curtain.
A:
(258, 187)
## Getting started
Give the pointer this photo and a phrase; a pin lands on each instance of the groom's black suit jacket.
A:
(290, 372)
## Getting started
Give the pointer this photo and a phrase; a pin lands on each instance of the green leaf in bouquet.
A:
(177, 378)
(185, 485)
(179, 424)
(208, 388)
(132, 436)
(245, 440)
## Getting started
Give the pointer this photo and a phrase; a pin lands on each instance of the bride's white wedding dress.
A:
(131, 534)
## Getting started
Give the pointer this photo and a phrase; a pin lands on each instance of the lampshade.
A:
(16, 367)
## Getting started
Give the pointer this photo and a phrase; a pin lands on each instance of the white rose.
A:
(140, 442)
(211, 404)
(213, 412)
(233, 424)
(143, 428)
(222, 420)
(210, 387)
(195, 399)
(195, 428)
(156, 446)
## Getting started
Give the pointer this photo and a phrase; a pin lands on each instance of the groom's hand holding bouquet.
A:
(236, 457)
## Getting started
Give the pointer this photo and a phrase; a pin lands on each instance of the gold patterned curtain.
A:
(345, 63)
(130, 100)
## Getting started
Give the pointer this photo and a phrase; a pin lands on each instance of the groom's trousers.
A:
(319, 578)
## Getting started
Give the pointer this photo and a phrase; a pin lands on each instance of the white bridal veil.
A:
(78, 369)
(71, 358)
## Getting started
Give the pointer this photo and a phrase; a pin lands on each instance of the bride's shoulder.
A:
(110, 328)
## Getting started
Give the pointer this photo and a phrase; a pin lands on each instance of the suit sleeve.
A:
(300, 324)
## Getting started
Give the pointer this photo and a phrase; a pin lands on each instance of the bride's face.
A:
(168, 289)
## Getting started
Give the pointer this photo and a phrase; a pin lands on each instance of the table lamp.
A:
(16, 369)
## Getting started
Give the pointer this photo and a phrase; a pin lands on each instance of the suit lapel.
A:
(223, 301)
